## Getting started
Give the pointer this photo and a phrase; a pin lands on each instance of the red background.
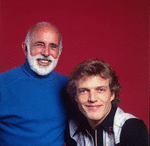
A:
(115, 31)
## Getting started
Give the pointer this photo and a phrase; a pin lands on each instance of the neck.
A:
(95, 123)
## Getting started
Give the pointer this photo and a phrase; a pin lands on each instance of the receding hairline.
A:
(41, 25)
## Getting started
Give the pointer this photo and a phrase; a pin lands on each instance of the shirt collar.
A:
(107, 124)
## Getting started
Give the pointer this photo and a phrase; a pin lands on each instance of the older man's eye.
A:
(39, 45)
(54, 46)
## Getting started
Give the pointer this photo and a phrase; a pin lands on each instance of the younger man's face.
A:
(94, 99)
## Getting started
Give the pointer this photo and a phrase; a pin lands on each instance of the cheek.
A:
(80, 106)
(105, 98)
(108, 104)
(55, 53)
(81, 100)
(34, 52)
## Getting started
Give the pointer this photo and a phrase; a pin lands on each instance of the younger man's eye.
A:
(82, 91)
(101, 89)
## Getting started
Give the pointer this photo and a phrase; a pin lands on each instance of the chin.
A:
(39, 69)
(93, 116)
(43, 70)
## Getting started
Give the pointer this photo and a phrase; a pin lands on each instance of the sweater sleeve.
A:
(134, 133)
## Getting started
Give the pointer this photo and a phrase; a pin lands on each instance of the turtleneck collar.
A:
(26, 68)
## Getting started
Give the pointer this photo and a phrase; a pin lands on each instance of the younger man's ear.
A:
(112, 96)
(24, 47)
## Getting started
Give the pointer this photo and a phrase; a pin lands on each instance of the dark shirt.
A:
(106, 125)
(133, 133)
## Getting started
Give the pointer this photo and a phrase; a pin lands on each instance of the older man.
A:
(98, 121)
(31, 105)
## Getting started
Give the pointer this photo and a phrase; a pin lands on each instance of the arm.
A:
(134, 133)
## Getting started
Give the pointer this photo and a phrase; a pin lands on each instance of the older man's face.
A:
(43, 52)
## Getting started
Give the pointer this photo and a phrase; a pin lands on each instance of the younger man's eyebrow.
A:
(102, 87)
(97, 87)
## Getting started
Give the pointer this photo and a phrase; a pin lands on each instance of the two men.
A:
(32, 110)
(31, 107)
(98, 121)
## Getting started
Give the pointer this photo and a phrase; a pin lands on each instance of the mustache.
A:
(49, 58)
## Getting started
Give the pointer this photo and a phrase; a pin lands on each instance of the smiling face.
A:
(94, 99)
(43, 51)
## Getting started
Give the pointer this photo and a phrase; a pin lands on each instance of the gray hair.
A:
(28, 39)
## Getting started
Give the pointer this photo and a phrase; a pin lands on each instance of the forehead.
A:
(92, 81)
(44, 32)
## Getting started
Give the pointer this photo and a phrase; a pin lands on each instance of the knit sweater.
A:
(31, 108)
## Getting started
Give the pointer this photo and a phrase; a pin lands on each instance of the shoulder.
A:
(10, 75)
(131, 130)
(62, 78)
(121, 117)
(135, 126)
(134, 132)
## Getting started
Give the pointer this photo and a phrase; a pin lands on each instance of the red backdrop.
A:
(115, 31)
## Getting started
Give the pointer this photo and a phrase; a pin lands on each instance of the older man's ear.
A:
(24, 47)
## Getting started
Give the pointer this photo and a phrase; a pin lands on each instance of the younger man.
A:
(98, 121)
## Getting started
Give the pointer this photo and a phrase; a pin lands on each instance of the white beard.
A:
(39, 69)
